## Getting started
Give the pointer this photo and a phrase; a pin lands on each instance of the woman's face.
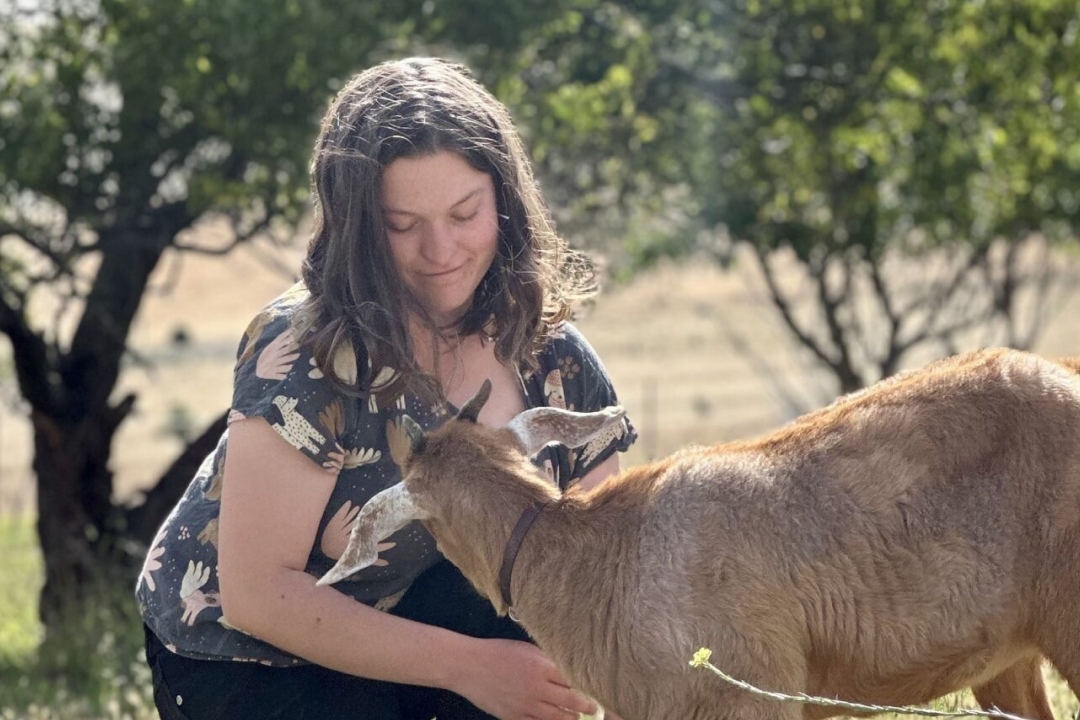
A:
(441, 221)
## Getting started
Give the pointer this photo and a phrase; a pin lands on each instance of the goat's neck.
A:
(569, 555)
(574, 583)
(475, 539)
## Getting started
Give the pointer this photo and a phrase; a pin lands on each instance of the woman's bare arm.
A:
(272, 500)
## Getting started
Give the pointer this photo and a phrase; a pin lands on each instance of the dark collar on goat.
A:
(521, 529)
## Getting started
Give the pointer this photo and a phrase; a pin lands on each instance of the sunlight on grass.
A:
(1064, 704)
(95, 672)
(20, 583)
(1062, 701)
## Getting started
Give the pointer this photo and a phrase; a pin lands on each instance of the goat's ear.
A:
(382, 516)
(471, 410)
(538, 427)
(417, 439)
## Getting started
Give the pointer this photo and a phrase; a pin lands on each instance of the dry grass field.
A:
(697, 355)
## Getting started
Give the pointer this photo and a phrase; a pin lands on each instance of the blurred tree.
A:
(122, 124)
(915, 160)
(900, 170)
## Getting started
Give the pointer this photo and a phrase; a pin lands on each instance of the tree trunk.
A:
(74, 423)
(76, 534)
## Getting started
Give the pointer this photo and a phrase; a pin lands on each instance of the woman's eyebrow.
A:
(463, 200)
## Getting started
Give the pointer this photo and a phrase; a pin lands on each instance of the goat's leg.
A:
(1059, 640)
(1068, 666)
(1018, 690)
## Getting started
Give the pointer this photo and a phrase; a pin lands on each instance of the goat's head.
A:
(438, 463)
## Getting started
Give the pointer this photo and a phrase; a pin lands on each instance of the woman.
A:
(432, 267)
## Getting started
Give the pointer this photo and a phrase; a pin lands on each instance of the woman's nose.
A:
(439, 243)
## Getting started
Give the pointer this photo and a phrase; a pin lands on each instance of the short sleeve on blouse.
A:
(575, 379)
(276, 379)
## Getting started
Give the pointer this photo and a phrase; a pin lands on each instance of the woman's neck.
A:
(442, 355)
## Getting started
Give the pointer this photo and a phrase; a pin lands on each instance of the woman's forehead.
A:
(430, 183)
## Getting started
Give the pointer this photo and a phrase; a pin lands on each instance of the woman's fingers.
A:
(569, 700)
(516, 681)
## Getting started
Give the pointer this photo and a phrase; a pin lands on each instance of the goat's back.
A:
(906, 540)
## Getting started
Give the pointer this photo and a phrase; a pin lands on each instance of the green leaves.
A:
(130, 106)
(844, 132)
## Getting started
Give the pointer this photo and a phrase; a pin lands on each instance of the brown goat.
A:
(912, 539)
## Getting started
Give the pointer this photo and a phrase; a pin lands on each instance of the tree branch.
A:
(143, 520)
(935, 303)
(893, 353)
(32, 359)
(830, 306)
(238, 238)
(784, 307)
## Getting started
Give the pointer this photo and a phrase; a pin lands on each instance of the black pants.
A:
(212, 689)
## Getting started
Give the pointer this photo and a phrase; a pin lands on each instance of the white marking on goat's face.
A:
(382, 515)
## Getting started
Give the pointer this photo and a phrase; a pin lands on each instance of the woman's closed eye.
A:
(393, 227)
(466, 217)
(457, 219)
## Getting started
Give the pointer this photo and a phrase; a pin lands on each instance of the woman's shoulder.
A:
(572, 377)
(568, 348)
(284, 306)
(571, 371)
(566, 336)
(274, 318)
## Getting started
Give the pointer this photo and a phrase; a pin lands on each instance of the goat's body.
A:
(908, 541)
(916, 538)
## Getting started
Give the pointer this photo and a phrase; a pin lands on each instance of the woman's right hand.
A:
(514, 680)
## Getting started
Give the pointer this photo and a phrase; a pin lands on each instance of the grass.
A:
(96, 672)
(93, 670)
(20, 632)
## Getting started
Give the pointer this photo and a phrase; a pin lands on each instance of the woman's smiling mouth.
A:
(441, 273)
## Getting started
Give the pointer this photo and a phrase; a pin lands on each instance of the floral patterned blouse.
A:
(353, 439)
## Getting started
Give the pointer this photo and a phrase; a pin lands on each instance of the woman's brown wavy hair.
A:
(409, 108)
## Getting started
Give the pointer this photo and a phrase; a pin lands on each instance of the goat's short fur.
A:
(910, 540)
